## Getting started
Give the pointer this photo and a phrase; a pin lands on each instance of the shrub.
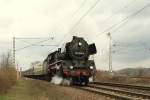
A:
(103, 76)
(8, 78)
(7, 72)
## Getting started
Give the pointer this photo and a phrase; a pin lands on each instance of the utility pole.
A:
(34, 44)
(110, 54)
(20, 72)
(14, 57)
(14, 52)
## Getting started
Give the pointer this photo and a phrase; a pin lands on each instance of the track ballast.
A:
(119, 91)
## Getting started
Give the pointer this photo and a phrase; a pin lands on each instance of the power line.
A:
(123, 20)
(126, 20)
(36, 44)
(130, 47)
(47, 45)
(32, 38)
(32, 45)
(126, 6)
(82, 4)
(80, 19)
(24, 41)
(84, 15)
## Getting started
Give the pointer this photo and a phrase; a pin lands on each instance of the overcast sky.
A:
(56, 18)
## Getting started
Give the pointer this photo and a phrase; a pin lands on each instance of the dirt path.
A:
(39, 90)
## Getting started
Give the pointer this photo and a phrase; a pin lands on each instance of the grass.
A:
(103, 76)
(106, 76)
(7, 79)
(39, 90)
(33, 90)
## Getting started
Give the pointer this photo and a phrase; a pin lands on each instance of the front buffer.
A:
(78, 76)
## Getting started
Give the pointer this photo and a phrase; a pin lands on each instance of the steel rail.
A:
(106, 93)
(127, 92)
(147, 88)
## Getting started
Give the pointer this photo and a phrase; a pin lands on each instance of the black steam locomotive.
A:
(73, 62)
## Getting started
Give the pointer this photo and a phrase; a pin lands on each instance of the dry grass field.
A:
(106, 76)
(103, 76)
(40, 90)
(28, 89)
(7, 79)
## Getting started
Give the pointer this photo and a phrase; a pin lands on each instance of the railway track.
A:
(119, 91)
(145, 88)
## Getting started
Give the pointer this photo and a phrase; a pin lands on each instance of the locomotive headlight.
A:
(91, 67)
(71, 67)
(80, 43)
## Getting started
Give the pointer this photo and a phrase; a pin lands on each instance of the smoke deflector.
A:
(92, 49)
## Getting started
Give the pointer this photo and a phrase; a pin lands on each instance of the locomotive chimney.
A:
(74, 37)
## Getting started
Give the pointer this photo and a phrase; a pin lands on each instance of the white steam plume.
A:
(56, 80)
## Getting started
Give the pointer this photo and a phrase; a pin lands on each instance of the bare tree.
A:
(6, 60)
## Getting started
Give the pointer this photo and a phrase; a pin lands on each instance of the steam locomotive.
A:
(73, 63)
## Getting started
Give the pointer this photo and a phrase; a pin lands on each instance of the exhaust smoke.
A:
(57, 80)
